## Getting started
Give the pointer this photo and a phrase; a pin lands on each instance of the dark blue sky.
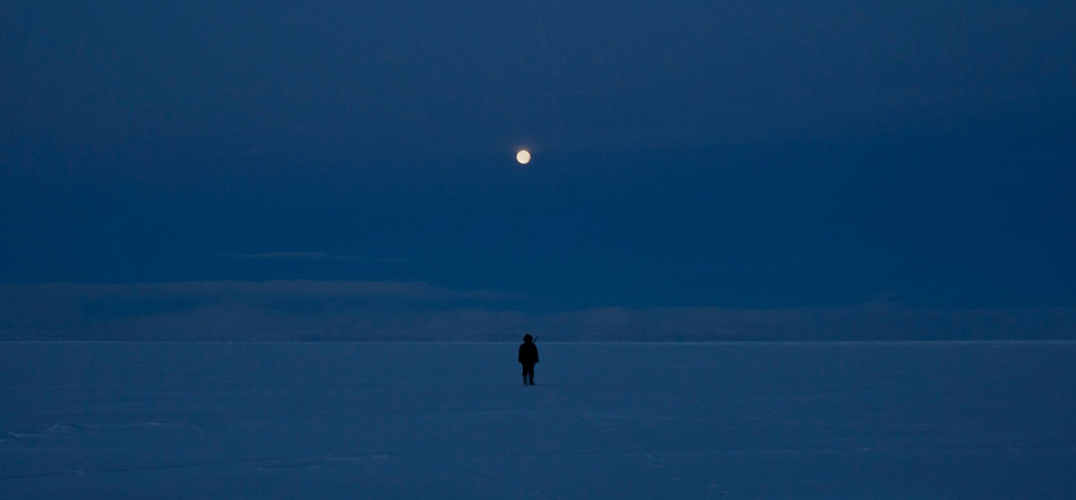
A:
(736, 154)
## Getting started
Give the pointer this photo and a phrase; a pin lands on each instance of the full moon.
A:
(523, 157)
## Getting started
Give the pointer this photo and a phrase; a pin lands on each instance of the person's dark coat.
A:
(528, 353)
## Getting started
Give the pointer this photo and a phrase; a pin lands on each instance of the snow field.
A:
(606, 420)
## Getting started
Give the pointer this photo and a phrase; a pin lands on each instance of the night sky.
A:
(743, 155)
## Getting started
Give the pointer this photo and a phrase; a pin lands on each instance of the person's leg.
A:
(530, 374)
(524, 374)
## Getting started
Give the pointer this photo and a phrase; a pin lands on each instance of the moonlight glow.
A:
(523, 157)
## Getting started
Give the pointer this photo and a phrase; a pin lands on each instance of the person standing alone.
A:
(528, 357)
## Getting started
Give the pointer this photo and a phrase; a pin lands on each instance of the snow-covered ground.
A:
(427, 421)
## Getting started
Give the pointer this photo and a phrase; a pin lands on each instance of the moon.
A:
(523, 157)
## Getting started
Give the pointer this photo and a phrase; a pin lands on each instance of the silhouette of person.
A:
(528, 357)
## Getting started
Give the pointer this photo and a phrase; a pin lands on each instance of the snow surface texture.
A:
(428, 421)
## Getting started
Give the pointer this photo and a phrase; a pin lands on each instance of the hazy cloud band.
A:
(414, 311)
